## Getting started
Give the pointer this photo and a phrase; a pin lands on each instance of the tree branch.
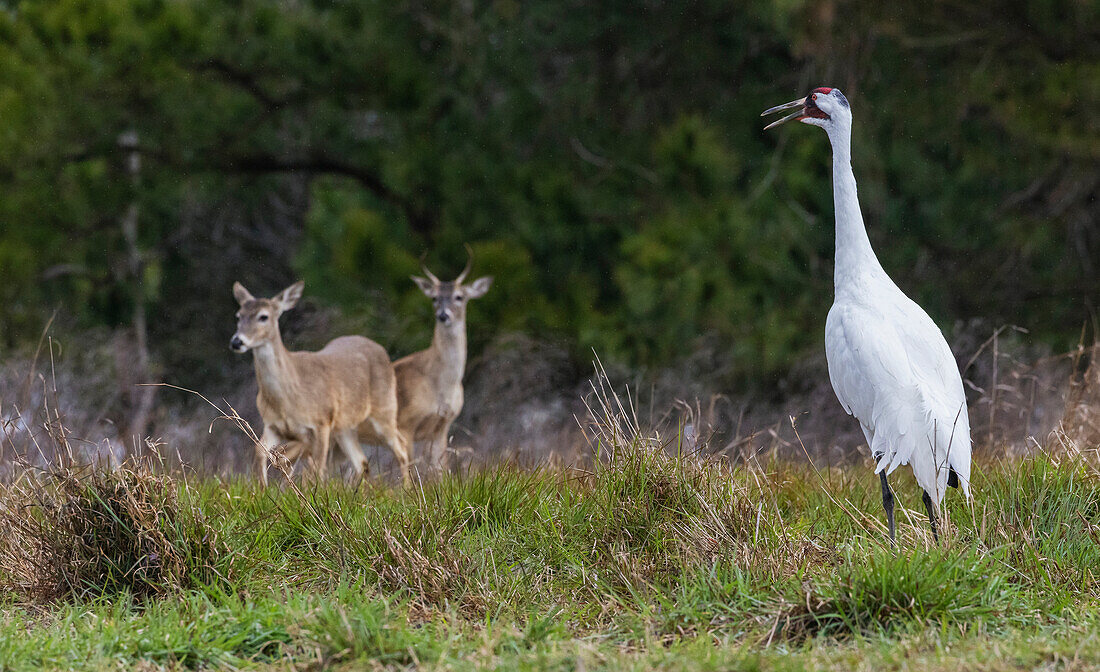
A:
(245, 80)
(422, 221)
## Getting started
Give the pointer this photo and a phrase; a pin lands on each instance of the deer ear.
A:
(288, 298)
(425, 285)
(478, 287)
(241, 294)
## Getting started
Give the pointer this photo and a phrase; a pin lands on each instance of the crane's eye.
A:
(813, 97)
(263, 318)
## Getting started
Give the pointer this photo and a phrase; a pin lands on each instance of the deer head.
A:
(449, 298)
(258, 319)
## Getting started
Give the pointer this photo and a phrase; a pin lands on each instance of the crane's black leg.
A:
(888, 504)
(931, 515)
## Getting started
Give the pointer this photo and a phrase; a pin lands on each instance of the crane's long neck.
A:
(853, 248)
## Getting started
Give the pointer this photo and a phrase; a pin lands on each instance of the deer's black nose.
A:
(236, 344)
(443, 316)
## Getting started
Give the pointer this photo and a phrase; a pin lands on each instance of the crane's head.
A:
(824, 107)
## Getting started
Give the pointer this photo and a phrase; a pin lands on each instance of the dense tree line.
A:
(604, 160)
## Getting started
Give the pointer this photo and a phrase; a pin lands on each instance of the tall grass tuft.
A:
(79, 532)
(876, 591)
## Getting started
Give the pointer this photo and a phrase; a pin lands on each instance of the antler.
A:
(424, 268)
(469, 264)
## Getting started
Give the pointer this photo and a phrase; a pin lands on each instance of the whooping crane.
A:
(888, 362)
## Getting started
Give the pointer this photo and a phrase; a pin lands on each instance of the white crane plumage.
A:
(888, 361)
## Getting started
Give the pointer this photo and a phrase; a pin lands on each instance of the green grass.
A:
(645, 562)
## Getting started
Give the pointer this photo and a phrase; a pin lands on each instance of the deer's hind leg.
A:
(348, 440)
(395, 441)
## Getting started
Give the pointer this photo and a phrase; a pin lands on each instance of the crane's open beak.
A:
(801, 114)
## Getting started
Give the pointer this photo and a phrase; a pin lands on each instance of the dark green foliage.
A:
(607, 163)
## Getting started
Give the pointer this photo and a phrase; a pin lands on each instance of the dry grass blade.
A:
(76, 532)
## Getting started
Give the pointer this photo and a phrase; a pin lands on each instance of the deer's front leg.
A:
(438, 448)
(265, 450)
(321, 447)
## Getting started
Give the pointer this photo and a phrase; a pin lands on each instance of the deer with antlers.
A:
(429, 382)
(307, 398)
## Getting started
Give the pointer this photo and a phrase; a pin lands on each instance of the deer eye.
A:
(458, 299)
(263, 318)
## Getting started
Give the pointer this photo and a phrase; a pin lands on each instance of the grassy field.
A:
(642, 561)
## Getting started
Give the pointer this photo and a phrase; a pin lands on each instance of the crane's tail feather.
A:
(900, 424)
(936, 443)
(955, 435)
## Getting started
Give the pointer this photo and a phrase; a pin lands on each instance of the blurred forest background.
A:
(605, 161)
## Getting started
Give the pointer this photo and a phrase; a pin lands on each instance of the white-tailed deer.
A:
(429, 382)
(306, 398)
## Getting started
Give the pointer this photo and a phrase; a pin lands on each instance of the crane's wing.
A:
(938, 376)
(889, 371)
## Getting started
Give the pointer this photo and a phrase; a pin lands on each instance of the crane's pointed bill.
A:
(784, 106)
(789, 117)
(801, 113)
